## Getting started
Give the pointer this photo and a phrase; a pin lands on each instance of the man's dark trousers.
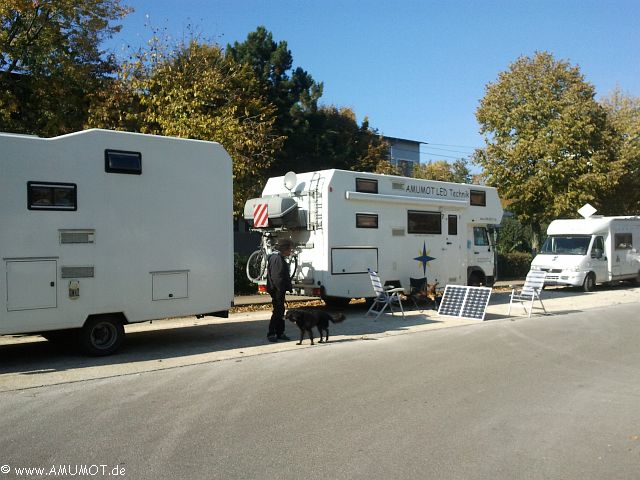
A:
(276, 325)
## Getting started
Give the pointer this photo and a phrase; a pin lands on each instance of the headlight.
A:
(535, 268)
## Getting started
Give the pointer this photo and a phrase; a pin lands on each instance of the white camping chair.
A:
(529, 292)
(385, 296)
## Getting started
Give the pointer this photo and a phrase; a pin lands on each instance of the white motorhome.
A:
(583, 252)
(102, 228)
(344, 222)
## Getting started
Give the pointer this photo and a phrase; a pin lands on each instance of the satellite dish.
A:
(290, 180)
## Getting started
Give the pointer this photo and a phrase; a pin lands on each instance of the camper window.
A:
(366, 185)
(566, 245)
(116, 161)
(51, 196)
(597, 250)
(478, 198)
(623, 241)
(453, 224)
(480, 237)
(366, 220)
(424, 222)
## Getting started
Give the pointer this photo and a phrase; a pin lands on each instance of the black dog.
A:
(307, 319)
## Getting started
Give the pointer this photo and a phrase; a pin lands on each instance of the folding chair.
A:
(385, 296)
(529, 292)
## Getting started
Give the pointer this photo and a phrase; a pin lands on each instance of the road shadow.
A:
(32, 355)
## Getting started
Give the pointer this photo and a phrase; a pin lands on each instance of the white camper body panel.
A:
(605, 247)
(401, 227)
(151, 245)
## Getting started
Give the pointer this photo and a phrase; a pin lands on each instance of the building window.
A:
(424, 222)
(366, 185)
(52, 196)
(478, 198)
(623, 241)
(366, 220)
(117, 161)
(453, 225)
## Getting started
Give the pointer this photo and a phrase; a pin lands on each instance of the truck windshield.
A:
(566, 245)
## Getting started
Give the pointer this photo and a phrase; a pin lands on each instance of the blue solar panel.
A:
(465, 302)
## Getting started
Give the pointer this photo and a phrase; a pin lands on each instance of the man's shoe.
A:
(272, 338)
(282, 336)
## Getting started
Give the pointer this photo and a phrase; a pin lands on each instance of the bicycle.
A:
(257, 262)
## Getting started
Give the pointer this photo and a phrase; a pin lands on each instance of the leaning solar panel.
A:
(464, 301)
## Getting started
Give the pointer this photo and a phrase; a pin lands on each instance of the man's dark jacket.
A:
(278, 276)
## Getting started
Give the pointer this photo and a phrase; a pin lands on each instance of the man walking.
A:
(278, 283)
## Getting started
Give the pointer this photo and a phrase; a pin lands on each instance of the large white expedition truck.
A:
(583, 252)
(99, 229)
(344, 222)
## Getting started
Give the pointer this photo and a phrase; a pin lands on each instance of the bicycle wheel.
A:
(256, 265)
(293, 266)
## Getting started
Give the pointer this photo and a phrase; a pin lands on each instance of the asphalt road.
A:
(552, 397)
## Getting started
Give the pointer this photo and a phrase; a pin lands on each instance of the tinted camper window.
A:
(117, 161)
(365, 185)
(424, 222)
(366, 220)
(453, 225)
(623, 241)
(478, 198)
(52, 196)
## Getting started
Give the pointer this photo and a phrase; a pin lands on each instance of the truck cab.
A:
(573, 260)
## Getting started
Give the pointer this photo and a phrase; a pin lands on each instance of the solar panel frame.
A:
(464, 301)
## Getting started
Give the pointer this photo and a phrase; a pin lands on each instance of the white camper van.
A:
(344, 222)
(586, 251)
(103, 228)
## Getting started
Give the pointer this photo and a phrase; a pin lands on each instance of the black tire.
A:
(256, 266)
(476, 279)
(589, 283)
(101, 336)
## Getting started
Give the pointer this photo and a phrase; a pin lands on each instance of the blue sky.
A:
(416, 69)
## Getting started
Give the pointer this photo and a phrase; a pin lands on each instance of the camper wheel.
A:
(476, 279)
(101, 335)
(589, 283)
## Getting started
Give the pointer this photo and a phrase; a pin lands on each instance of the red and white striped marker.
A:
(260, 215)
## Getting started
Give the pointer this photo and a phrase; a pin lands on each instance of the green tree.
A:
(549, 147)
(271, 63)
(624, 114)
(514, 236)
(315, 137)
(441, 170)
(330, 137)
(193, 91)
(51, 61)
